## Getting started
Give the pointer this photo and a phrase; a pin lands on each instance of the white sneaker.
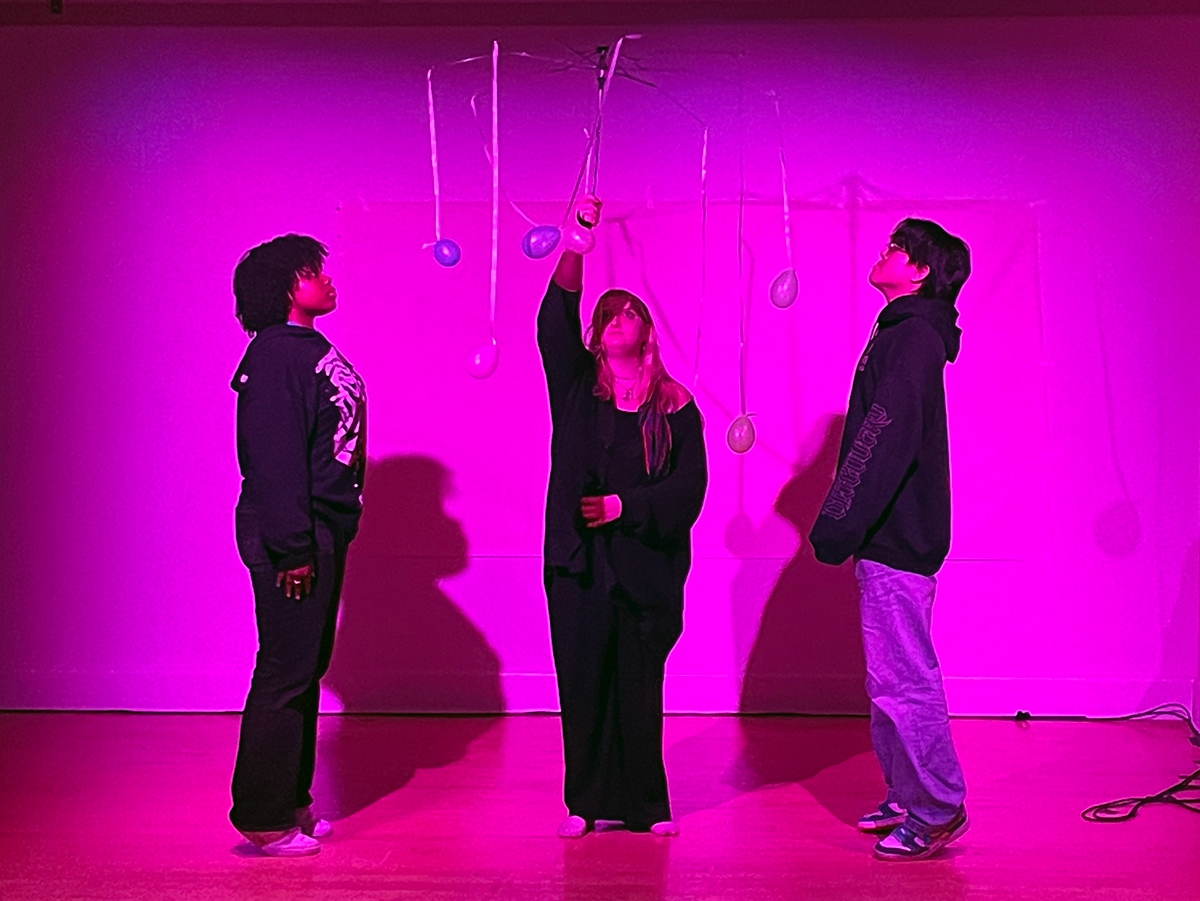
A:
(574, 827)
(311, 824)
(291, 843)
(666, 827)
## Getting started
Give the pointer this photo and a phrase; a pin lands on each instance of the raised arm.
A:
(560, 338)
(559, 329)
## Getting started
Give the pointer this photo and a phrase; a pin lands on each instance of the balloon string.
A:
(703, 256)
(612, 70)
(433, 153)
(578, 181)
(740, 264)
(607, 76)
(590, 169)
(787, 213)
(495, 187)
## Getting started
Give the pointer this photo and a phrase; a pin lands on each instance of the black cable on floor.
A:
(1184, 793)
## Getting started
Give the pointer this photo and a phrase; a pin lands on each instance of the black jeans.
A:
(278, 740)
(609, 656)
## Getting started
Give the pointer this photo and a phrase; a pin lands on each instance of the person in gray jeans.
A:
(889, 509)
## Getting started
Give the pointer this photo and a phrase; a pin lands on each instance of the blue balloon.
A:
(540, 240)
(447, 252)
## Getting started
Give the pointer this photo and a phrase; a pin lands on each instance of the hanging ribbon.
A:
(589, 171)
(787, 213)
(785, 287)
(433, 155)
(740, 436)
(703, 257)
(495, 187)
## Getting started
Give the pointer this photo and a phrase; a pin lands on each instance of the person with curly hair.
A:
(301, 445)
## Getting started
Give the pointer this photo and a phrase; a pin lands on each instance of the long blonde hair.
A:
(661, 394)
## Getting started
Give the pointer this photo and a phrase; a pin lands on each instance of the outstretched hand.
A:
(598, 511)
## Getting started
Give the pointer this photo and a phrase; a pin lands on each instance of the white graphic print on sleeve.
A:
(350, 397)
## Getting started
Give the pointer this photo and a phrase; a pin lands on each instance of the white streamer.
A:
(495, 187)
(740, 262)
(433, 154)
(590, 170)
(787, 213)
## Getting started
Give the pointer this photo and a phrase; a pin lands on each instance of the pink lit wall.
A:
(137, 164)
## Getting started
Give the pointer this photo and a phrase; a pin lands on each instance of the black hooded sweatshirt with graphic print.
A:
(301, 443)
(890, 500)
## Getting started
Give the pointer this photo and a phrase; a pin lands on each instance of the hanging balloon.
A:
(446, 252)
(784, 288)
(540, 241)
(740, 437)
(580, 239)
(485, 360)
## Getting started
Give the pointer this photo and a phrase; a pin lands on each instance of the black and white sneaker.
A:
(884, 817)
(913, 840)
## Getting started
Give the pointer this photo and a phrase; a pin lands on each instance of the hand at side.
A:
(297, 582)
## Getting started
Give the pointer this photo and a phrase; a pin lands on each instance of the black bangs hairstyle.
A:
(948, 257)
(266, 274)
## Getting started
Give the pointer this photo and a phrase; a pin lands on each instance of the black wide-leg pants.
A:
(277, 746)
(610, 653)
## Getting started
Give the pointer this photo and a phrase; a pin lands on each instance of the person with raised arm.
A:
(628, 473)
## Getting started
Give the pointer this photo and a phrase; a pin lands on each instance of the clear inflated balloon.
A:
(740, 436)
(446, 252)
(485, 360)
(540, 241)
(784, 288)
(580, 239)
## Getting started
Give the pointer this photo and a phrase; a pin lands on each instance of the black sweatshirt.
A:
(301, 443)
(890, 501)
(648, 548)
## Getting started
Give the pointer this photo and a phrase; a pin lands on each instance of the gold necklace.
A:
(628, 395)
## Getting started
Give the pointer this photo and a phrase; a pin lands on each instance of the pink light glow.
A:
(141, 163)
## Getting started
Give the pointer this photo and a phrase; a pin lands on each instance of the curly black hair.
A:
(266, 274)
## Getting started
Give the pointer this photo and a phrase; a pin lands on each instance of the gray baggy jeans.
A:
(910, 727)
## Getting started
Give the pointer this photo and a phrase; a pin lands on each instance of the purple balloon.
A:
(484, 361)
(447, 253)
(740, 436)
(540, 241)
(580, 240)
(784, 289)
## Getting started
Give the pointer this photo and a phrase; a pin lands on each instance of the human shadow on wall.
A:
(402, 645)
(808, 658)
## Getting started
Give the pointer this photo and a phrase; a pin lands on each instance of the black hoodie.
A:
(301, 443)
(890, 501)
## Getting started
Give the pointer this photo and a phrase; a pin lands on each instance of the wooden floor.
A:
(117, 806)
